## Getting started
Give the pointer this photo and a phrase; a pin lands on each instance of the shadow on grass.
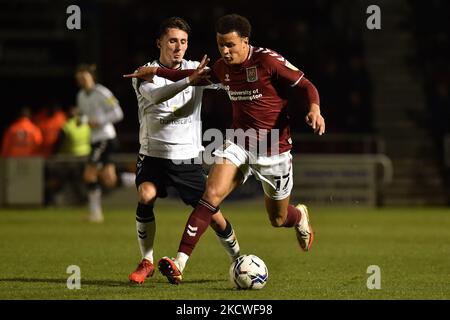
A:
(106, 283)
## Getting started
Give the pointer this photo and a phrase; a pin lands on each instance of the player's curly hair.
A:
(234, 22)
(90, 68)
(173, 22)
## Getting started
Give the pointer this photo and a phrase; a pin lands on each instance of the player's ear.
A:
(158, 43)
(245, 40)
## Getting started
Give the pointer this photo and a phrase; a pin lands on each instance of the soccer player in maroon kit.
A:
(251, 76)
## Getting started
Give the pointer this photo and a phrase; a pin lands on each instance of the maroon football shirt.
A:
(255, 90)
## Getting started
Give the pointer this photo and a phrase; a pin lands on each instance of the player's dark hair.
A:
(173, 22)
(90, 68)
(234, 22)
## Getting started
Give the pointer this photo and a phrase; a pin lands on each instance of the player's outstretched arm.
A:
(144, 73)
(197, 76)
(313, 118)
(282, 69)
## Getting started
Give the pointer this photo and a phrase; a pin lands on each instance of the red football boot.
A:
(168, 268)
(144, 270)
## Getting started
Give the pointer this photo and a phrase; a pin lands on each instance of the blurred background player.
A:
(170, 129)
(22, 138)
(254, 78)
(101, 110)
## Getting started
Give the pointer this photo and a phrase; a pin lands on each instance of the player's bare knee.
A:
(147, 200)
(277, 221)
(87, 178)
(147, 193)
(90, 175)
(108, 176)
(214, 195)
(109, 181)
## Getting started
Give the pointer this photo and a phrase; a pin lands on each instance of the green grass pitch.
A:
(410, 245)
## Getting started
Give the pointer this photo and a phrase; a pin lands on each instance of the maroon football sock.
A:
(292, 218)
(196, 225)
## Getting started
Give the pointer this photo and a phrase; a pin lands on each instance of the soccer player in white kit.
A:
(170, 129)
(100, 109)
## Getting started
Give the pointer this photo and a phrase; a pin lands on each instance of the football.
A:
(248, 272)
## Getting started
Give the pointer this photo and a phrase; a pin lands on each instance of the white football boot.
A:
(303, 230)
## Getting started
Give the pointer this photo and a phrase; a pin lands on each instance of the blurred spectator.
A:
(22, 138)
(74, 136)
(50, 120)
(66, 179)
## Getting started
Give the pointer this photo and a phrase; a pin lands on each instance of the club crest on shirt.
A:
(252, 74)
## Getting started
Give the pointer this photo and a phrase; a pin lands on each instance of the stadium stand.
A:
(379, 88)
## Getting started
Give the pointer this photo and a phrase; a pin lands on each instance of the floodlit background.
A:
(377, 184)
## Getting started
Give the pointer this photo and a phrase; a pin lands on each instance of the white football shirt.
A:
(100, 106)
(169, 115)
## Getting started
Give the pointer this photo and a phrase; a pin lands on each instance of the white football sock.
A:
(181, 260)
(146, 235)
(231, 245)
(95, 204)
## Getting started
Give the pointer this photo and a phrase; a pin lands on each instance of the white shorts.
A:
(274, 172)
